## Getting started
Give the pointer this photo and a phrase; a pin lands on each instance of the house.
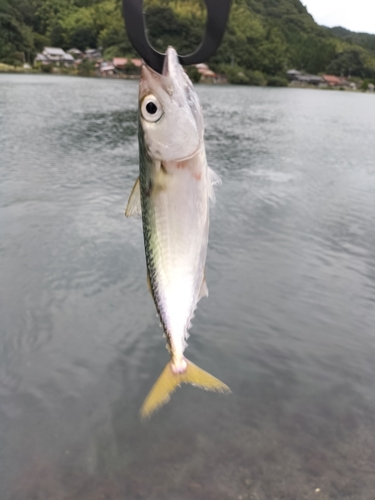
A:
(292, 74)
(41, 58)
(93, 53)
(221, 78)
(107, 69)
(207, 75)
(344, 82)
(201, 66)
(137, 62)
(57, 55)
(120, 62)
(76, 53)
(128, 66)
(298, 78)
(54, 55)
(313, 79)
(332, 81)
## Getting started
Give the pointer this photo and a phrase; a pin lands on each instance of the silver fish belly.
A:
(173, 192)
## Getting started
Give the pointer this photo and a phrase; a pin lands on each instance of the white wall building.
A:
(54, 55)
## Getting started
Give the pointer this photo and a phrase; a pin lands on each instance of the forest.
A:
(264, 38)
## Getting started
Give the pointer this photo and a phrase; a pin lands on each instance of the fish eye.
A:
(151, 109)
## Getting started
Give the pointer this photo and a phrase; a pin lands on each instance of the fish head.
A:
(169, 111)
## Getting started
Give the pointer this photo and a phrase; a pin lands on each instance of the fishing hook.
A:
(217, 16)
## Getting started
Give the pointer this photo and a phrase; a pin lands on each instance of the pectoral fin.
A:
(134, 204)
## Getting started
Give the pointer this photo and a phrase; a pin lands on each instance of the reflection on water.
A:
(289, 323)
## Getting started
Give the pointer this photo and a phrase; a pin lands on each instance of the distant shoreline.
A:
(22, 71)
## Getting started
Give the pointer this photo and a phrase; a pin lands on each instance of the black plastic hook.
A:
(217, 16)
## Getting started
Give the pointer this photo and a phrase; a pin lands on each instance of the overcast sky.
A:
(357, 15)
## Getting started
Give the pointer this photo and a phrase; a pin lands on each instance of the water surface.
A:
(288, 325)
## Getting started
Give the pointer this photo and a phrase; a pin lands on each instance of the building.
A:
(128, 66)
(76, 53)
(54, 55)
(207, 75)
(107, 69)
(201, 66)
(332, 80)
(41, 59)
(297, 78)
(302, 80)
(137, 62)
(120, 62)
(293, 74)
(93, 53)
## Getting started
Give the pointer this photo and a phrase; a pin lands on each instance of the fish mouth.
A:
(180, 87)
(171, 63)
(151, 79)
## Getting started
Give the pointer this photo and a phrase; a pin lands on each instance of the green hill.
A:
(364, 40)
(264, 37)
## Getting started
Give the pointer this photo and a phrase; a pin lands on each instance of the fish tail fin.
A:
(168, 382)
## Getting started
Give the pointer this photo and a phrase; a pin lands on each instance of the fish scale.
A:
(172, 194)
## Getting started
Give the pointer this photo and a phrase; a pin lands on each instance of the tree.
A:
(15, 37)
(348, 63)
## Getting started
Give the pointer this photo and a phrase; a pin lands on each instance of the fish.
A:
(172, 196)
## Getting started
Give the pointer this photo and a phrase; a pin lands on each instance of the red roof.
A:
(119, 62)
(207, 72)
(332, 80)
(137, 62)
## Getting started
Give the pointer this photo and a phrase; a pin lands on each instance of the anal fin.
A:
(214, 180)
(204, 290)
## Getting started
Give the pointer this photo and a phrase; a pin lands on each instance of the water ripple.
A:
(289, 322)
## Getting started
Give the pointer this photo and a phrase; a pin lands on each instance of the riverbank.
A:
(5, 68)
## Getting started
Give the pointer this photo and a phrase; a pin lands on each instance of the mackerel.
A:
(172, 194)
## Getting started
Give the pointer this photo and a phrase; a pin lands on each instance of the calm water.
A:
(289, 324)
